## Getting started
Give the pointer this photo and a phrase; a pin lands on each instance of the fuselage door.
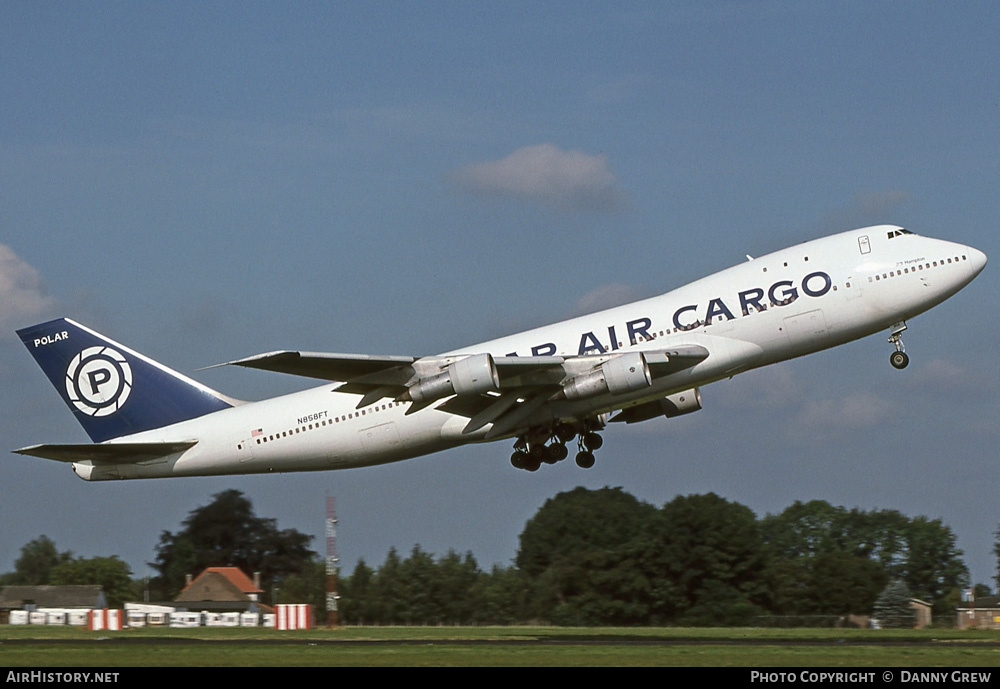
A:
(245, 445)
(806, 328)
(380, 438)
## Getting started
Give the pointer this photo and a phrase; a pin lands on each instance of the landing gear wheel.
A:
(898, 359)
(592, 441)
(517, 460)
(565, 432)
(585, 459)
(558, 452)
(538, 454)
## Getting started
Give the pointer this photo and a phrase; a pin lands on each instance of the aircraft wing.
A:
(527, 384)
(515, 371)
(365, 371)
(336, 367)
(503, 390)
(107, 453)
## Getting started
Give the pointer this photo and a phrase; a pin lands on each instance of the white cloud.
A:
(22, 297)
(942, 374)
(855, 412)
(567, 180)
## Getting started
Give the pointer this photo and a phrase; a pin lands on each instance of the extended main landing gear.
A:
(898, 359)
(589, 442)
(549, 446)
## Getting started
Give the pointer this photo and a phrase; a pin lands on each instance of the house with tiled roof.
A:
(221, 589)
(982, 613)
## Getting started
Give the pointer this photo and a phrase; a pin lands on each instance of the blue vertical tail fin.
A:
(112, 390)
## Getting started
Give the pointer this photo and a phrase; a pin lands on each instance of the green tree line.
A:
(224, 533)
(602, 557)
(587, 557)
(41, 563)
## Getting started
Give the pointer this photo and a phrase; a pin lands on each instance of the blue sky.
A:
(205, 181)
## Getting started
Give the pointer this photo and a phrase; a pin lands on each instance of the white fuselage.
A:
(799, 300)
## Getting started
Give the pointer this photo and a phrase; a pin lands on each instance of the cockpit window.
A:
(897, 233)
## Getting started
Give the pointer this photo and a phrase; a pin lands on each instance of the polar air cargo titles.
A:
(543, 388)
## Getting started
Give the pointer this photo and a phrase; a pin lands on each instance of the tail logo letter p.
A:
(98, 381)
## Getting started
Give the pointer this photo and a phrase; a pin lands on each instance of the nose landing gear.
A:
(898, 359)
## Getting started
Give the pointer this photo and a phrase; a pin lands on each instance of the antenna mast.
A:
(331, 562)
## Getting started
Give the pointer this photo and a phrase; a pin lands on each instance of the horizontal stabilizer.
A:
(108, 453)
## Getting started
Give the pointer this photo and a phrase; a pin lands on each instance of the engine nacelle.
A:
(681, 403)
(619, 375)
(473, 375)
(677, 404)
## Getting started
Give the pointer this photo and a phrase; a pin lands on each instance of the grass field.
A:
(47, 647)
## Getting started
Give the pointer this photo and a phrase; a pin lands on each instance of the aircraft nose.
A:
(977, 259)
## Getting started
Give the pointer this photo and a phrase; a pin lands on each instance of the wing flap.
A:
(107, 453)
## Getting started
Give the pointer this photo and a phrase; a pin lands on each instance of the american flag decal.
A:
(255, 432)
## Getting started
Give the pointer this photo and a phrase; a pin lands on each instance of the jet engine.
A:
(677, 404)
(473, 375)
(619, 375)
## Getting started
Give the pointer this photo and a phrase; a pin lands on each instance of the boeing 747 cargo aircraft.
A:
(543, 388)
